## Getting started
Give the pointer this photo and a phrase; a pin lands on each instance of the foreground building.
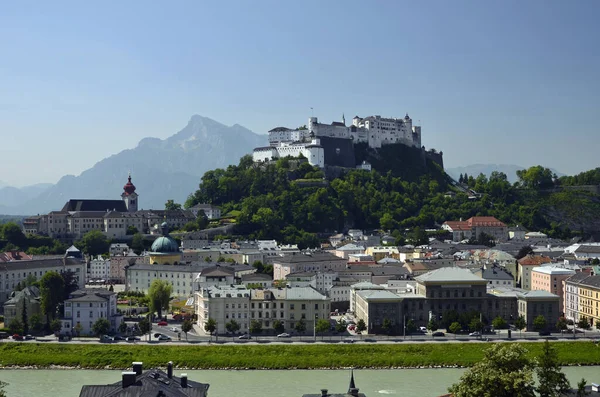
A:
(475, 226)
(28, 299)
(84, 307)
(154, 382)
(353, 391)
(581, 298)
(551, 279)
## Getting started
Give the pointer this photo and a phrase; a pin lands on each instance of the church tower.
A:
(129, 195)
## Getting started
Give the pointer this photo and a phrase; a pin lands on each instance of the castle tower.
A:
(343, 119)
(129, 196)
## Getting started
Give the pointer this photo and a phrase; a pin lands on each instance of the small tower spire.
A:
(352, 385)
(343, 119)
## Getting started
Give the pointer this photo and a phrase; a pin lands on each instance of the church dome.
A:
(165, 245)
(129, 187)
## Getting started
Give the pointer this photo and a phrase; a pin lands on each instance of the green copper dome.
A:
(165, 244)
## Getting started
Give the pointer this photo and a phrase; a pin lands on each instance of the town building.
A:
(475, 226)
(214, 276)
(211, 211)
(517, 233)
(307, 261)
(526, 264)
(85, 307)
(587, 252)
(257, 280)
(496, 276)
(550, 279)
(99, 269)
(139, 277)
(581, 298)
(154, 382)
(118, 249)
(25, 301)
(119, 263)
(349, 249)
(535, 303)
(165, 250)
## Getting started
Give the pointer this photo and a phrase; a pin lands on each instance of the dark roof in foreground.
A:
(94, 205)
(150, 383)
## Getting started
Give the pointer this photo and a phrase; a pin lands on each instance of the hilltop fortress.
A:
(333, 144)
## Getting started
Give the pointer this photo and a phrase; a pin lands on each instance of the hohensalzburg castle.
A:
(375, 131)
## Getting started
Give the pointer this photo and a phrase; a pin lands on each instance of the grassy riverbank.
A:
(273, 356)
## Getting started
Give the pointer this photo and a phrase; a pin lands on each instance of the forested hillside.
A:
(289, 200)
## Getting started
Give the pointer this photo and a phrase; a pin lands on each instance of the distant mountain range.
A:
(475, 169)
(161, 169)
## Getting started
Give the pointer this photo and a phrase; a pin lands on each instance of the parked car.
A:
(438, 333)
(351, 327)
(284, 335)
(29, 337)
(17, 337)
(423, 329)
(544, 333)
(106, 338)
(157, 334)
(132, 338)
(174, 329)
(349, 340)
(162, 323)
(245, 336)
(475, 333)
(164, 337)
(118, 337)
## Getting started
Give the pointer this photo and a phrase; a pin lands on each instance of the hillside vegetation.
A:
(270, 204)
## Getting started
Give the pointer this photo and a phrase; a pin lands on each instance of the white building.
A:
(118, 249)
(349, 249)
(223, 304)
(139, 277)
(211, 211)
(99, 269)
(214, 276)
(85, 307)
(312, 151)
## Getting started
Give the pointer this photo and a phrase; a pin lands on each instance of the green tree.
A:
(455, 328)
(387, 222)
(35, 322)
(583, 323)
(232, 327)
(52, 288)
(131, 230)
(145, 326)
(322, 326)
(520, 323)
(539, 323)
(93, 243)
(55, 326)
(561, 324)
(340, 326)
(2, 391)
(581, 392)
(432, 325)
(552, 382)
(171, 205)
(137, 243)
(29, 280)
(361, 326)
(159, 294)
(14, 235)
(186, 327)
(78, 328)
(499, 323)
(278, 326)
(210, 326)
(504, 371)
(475, 325)
(387, 325)
(123, 327)
(536, 177)
(16, 326)
(300, 326)
(410, 326)
(255, 327)
(524, 251)
(101, 326)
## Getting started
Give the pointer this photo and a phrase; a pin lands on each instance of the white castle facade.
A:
(376, 131)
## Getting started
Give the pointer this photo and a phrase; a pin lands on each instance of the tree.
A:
(387, 325)
(159, 294)
(171, 205)
(322, 326)
(55, 326)
(78, 328)
(52, 287)
(186, 327)
(561, 324)
(35, 323)
(232, 327)
(598, 325)
(94, 243)
(24, 319)
(300, 326)
(144, 326)
(123, 327)
(361, 326)
(475, 325)
(340, 326)
(210, 326)
(581, 392)
(278, 326)
(455, 328)
(16, 326)
(2, 386)
(505, 371)
(539, 323)
(131, 230)
(255, 327)
(101, 326)
(410, 326)
(536, 177)
(520, 323)
(524, 251)
(14, 235)
(552, 381)
(432, 325)
(499, 323)
(137, 243)
(69, 282)
(583, 323)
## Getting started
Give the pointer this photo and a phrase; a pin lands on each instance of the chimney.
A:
(184, 380)
(324, 393)
(137, 367)
(353, 392)
(128, 378)
(170, 369)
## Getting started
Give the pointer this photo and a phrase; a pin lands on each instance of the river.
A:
(292, 383)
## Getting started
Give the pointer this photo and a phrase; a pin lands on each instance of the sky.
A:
(510, 82)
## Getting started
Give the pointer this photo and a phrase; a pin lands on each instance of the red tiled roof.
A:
(458, 225)
(482, 221)
(534, 260)
(14, 256)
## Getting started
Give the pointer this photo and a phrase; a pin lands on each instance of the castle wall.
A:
(338, 151)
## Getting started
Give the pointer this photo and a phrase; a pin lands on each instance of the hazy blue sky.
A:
(492, 82)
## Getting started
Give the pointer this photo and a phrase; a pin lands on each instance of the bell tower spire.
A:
(129, 196)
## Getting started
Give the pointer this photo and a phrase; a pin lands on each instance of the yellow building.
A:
(582, 298)
(165, 250)
(379, 253)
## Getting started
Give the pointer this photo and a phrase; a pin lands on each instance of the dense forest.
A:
(291, 201)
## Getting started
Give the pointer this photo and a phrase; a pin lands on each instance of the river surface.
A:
(265, 383)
